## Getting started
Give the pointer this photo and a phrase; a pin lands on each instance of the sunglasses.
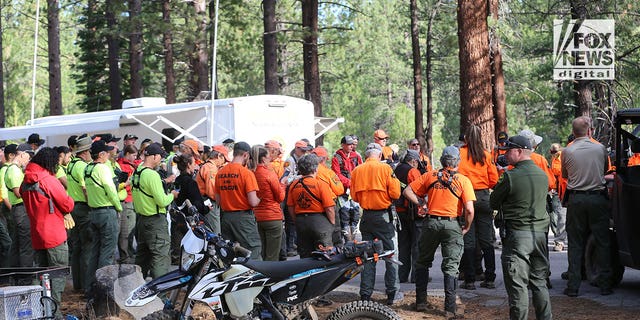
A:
(415, 144)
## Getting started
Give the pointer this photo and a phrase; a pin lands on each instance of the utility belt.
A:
(17, 204)
(237, 211)
(443, 218)
(307, 214)
(159, 214)
(589, 192)
(105, 207)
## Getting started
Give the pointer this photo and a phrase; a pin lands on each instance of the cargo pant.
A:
(127, 223)
(103, 225)
(588, 213)
(270, 237)
(22, 241)
(241, 226)
(313, 229)
(375, 224)
(154, 244)
(482, 226)
(525, 266)
(212, 219)
(54, 257)
(408, 245)
(80, 242)
(5, 238)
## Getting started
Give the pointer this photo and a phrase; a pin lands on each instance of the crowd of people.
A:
(90, 204)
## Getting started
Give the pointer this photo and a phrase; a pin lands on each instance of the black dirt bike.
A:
(219, 273)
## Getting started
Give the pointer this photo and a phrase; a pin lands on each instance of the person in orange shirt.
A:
(500, 153)
(236, 193)
(558, 213)
(326, 175)
(381, 138)
(206, 180)
(424, 165)
(268, 212)
(448, 194)
(374, 187)
(476, 164)
(538, 159)
(407, 171)
(635, 158)
(275, 153)
(195, 149)
(311, 207)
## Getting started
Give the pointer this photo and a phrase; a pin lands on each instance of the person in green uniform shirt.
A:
(80, 236)
(104, 204)
(150, 203)
(521, 194)
(13, 179)
(7, 259)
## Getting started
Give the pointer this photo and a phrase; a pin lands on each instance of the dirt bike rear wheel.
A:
(363, 310)
(163, 315)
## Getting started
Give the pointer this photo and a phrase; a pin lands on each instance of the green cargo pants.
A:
(241, 226)
(525, 265)
(80, 245)
(154, 244)
(54, 257)
(22, 241)
(270, 237)
(127, 222)
(103, 225)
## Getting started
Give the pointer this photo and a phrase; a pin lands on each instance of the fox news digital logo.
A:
(583, 49)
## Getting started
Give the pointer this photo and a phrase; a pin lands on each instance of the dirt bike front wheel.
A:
(364, 310)
(163, 315)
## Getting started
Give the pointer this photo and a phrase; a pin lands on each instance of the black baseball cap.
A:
(35, 138)
(130, 136)
(517, 142)
(107, 137)
(153, 149)
(99, 146)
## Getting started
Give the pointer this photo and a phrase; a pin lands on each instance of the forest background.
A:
(365, 69)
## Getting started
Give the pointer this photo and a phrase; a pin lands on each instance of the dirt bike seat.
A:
(280, 270)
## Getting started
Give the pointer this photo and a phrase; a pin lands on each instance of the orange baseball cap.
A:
(272, 144)
(303, 145)
(222, 150)
(380, 134)
(193, 145)
(320, 152)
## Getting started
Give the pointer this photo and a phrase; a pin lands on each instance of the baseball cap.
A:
(83, 144)
(372, 146)
(222, 150)
(177, 142)
(347, 140)
(241, 146)
(303, 145)
(517, 142)
(99, 146)
(272, 144)
(193, 145)
(11, 149)
(72, 140)
(107, 137)
(320, 152)
(153, 149)
(380, 134)
(451, 152)
(502, 136)
(535, 139)
(411, 155)
(130, 136)
(35, 138)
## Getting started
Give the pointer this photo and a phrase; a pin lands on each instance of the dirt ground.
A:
(480, 308)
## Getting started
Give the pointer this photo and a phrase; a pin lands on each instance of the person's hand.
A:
(68, 221)
(465, 229)
(170, 179)
(175, 193)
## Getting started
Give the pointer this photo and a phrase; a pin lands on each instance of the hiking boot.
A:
(394, 298)
(488, 284)
(468, 285)
(480, 277)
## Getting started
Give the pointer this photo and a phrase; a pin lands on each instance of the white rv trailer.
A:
(253, 119)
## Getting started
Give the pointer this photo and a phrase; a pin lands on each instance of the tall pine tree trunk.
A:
(581, 88)
(497, 75)
(135, 48)
(417, 74)
(310, 56)
(53, 39)
(429, 80)
(201, 55)
(475, 71)
(113, 47)
(167, 38)
(270, 48)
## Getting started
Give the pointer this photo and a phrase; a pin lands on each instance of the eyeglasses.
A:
(415, 144)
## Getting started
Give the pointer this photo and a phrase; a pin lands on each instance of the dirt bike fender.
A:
(148, 291)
